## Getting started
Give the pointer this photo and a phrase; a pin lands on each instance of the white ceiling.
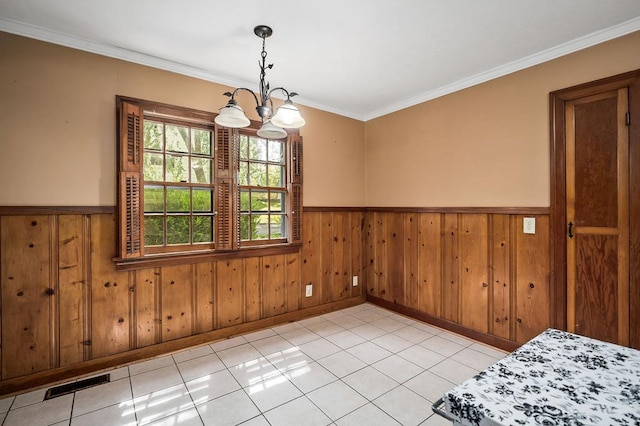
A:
(358, 58)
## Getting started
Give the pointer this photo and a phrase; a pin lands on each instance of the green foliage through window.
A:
(262, 182)
(178, 191)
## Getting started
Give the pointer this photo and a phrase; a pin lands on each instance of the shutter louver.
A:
(296, 214)
(130, 152)
(296, 188)
(227, 223)
(296, 153)
(223, 215)
(223, 140)
(133, 139)
(132, 228)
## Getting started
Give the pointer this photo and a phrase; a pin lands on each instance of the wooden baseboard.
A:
(54, 376)
(489, 339)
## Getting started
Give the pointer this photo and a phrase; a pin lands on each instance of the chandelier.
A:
(273, 125)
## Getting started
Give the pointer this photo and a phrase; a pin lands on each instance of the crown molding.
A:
(572, 46)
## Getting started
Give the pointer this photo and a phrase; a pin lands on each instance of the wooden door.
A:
(597, 214)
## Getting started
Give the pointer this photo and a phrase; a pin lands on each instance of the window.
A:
(187, 186)
(263, 191)
(178, 191)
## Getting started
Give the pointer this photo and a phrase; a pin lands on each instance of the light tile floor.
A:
(362, 365)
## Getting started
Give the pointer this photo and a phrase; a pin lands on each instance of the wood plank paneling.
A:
(326, 259)
(273, 286)
(177, 301)
(253, 290)
(358, 259)
(203, 298)
(430, 258)
(450, 268)
(147, 307)
(311, 259)
(340, 255)
(370, 254)
(26, 290)
(72, 281)
(395, 257)
(500, 287)
(230, 292)
(381, 263)
(408, 258)
(532, 280)
(474, 279)
(110, 310)
(410, 250)
(292, 288)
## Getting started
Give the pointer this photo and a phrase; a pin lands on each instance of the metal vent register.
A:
(76, 386)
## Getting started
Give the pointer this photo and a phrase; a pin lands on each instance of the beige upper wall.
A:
(484, 146)
(57, 115)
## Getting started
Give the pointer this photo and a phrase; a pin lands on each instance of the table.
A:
(557, 378)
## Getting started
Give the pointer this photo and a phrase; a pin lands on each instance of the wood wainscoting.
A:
(471, 270)
(67, 311)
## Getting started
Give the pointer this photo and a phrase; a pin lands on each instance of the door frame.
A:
(558, 214)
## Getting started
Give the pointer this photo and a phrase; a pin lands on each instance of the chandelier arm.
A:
(286, 92)
(246, 90)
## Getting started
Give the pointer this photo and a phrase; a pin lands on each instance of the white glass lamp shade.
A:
(269, 131)
(288, 116)
(232, 116)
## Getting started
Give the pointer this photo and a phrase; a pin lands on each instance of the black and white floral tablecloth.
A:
(557, 378)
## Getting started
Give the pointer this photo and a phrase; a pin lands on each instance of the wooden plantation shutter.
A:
(130, 191)
(227, 199)
(296, 188)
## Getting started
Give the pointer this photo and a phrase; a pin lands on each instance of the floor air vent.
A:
(76, 386)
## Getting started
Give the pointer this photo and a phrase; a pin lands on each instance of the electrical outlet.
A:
(309, 290)
(355, 280)
(529, 225)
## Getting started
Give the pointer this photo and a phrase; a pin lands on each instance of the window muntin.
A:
(263, 192)
(178, 194)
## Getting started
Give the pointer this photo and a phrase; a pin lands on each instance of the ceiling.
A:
(358, 58)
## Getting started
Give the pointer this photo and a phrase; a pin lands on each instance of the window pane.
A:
(177, 168)
(277, 226)
(202, 229)
(178, 200)
(153, 199)
(244, 147)
(200, 141)
(244, 201)
(243, 173)
(201, 170)
(178, 229)
(177, 138)
(153, 167)
(202, 200)
(257, 174)
(153, 231)
(260, 228)
(276, 175)
(276, 152)
(259, 201)
(245, 228)
(257, 149)
(276, 202)
(152, 135)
